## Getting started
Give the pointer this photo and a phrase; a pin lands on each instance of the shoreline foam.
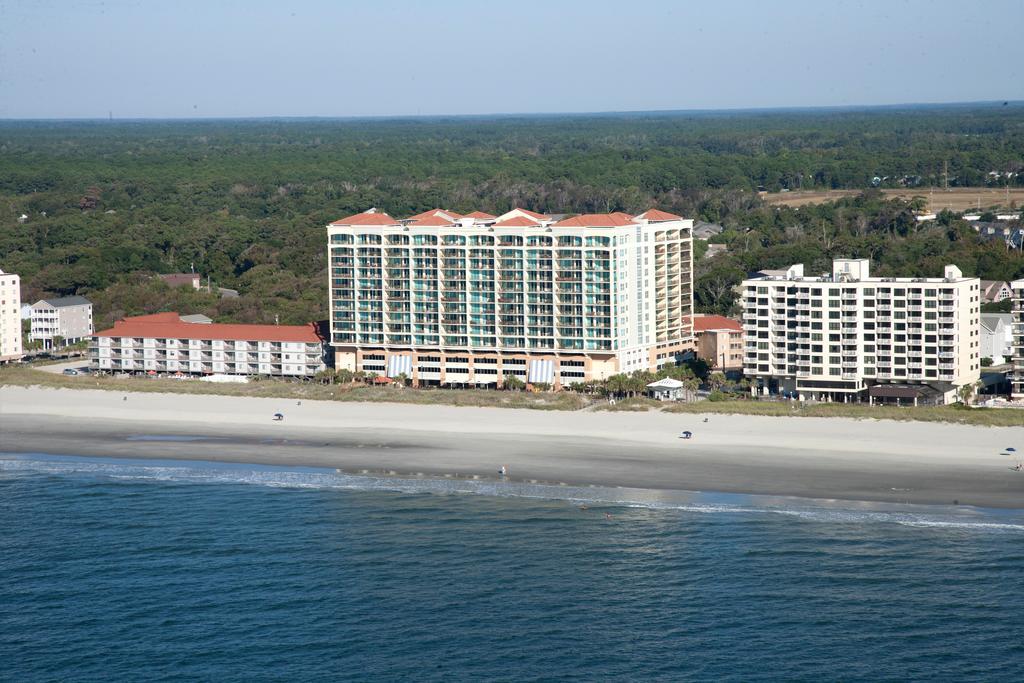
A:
(597, 497)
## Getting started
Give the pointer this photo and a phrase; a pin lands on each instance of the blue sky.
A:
(85, 58)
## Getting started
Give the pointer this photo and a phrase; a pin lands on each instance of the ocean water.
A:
(133, 570)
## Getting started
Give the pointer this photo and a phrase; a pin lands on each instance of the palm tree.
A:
(514, 383)
(616, 384)
(690, 385)
(716, 380)
(966, 392)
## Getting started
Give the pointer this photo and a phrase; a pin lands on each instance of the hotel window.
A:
(833, 371)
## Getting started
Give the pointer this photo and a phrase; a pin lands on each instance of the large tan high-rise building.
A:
(847, 336)
(10, 317)
(444, 298)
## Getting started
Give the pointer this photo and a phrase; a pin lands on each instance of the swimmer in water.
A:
(608, 515)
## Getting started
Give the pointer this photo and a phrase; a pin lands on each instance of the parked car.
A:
(70, 371)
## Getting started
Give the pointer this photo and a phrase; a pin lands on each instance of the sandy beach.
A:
(811, 457)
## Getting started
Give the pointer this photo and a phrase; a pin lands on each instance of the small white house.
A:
(667, 389)
(996, 337)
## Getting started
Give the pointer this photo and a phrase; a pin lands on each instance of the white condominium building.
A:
(163, 342)
(10, 317)
(845, 336)
(1017, 325)
(68, 318)
(445, 298)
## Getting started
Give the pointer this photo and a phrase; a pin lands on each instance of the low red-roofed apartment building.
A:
(474, 299)
(163, 342)
(719, 341)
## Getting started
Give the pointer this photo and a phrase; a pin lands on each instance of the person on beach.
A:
(503, 471)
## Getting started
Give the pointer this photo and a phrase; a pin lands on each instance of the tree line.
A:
(98, 208)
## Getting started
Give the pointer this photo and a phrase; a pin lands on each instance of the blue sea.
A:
(114, 570)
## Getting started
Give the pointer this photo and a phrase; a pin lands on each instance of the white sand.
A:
(838, 458)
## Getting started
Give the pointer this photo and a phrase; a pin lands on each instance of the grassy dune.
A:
(289, 389)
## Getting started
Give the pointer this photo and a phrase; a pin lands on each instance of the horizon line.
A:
(495, 115)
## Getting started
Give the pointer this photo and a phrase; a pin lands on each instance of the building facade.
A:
(69, 318)
(164, 343)
(719, 341)
(449, 299)
(846, 336)
(1017, 330)
(10, 317)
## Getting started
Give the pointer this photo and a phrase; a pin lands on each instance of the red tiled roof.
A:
(435, 212)
(164, 325)
(430, 221)
(656, 215)
(367, 219)
(596, 220)
(481, 216)
(705, 323)
(517, 222)
(533, 214)
(157, 318)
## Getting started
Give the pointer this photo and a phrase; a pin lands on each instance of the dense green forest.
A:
(108, 204)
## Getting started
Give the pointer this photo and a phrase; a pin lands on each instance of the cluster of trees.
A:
(108, 204)
(865, 226)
